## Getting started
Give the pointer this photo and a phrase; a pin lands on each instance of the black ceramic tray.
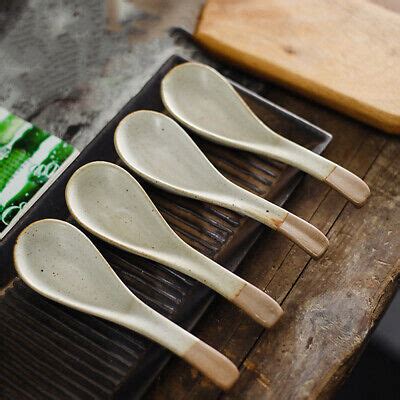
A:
(50, 351)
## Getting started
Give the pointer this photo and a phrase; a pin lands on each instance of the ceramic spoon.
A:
(58, 261)
(110, 203)
(203, 100)
(158, 149)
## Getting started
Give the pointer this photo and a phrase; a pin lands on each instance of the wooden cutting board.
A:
(343, 53)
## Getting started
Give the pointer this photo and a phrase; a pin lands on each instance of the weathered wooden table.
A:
(331, 305)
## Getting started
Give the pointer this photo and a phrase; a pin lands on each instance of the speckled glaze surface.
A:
(107, 201)
(203, 100)
(158, 149)
(58, 261)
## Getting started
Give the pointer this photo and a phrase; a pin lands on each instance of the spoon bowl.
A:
(203, 100)
(58, 261)
(158, 149)
(110, 203)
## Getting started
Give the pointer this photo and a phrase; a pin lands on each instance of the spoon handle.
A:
(305, 235)
(257, 304)
(218, 368)
(339, 178)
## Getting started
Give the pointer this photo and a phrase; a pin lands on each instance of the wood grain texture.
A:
(331, 308)
(342, 53)
(274, 264)
(330, 305)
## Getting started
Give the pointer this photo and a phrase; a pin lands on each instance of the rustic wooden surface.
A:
(332, 304)
(338, 52)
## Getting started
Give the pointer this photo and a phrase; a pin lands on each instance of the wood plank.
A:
(342, 53)
(335, 303)
(274, 264)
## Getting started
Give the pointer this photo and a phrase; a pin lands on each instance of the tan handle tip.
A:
(214, 365)
(261, 307)
(349, 185)
(305, 235)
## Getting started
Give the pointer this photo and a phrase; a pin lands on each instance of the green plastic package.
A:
(30, 159)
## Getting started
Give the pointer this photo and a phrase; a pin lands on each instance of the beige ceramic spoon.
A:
(110, 203)
(158, 149)
(58, 261)
(203, 100)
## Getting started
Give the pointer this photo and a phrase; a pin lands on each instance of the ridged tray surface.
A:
(49, 351)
